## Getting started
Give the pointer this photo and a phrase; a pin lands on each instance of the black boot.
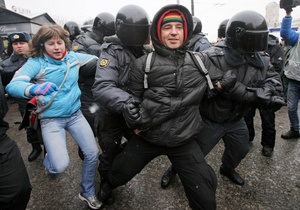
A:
(168, 177)
(105, 194)
(267, 151)
(36, 151)
(232, 175)
(291, 134)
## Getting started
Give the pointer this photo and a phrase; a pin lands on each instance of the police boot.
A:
(105, 194)
(36, 151)
(168, 177)
(232, 175)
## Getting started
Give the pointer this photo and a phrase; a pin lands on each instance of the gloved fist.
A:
(288, 10)
(278, 100)
(263, 93)
(287, 5)
(43, 89)
(276, 103)
(228, 80)
(131, 113)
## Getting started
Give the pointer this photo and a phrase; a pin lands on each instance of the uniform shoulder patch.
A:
(103, 62)
(75, 47)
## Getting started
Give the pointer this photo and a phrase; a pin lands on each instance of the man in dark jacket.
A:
(15, 187)
(164, 109)
(267, 113)
(19, 44)
(111, 83)
(257, 84)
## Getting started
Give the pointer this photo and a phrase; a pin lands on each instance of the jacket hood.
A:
(157, 20)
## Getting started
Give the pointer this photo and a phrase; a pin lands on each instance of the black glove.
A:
(288, 10)
(228, 81)
(131, 113)
(277, 100)
(276, 103)
(263, 93)
(287, 5)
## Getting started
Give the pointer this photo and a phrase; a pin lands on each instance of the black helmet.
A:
(222, 28)
(132, 25)
(73, 29)
(247, 31)
(197, 25)
(104, 23)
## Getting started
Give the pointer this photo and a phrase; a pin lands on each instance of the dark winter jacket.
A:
(199, 42)
(251, 71)
(3, 104)
(88, 43)
(5, 144)
(110, 88)
(176, 87)
(11, 65)
(276, 54)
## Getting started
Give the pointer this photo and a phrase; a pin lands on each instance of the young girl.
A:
(50, 66)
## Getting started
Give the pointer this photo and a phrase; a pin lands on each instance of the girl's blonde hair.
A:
(36, 45)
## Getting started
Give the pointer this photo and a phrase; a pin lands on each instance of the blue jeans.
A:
(293, 96)
(57, 158)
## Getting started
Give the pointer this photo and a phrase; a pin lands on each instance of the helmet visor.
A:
(134, 35)
(253, 41)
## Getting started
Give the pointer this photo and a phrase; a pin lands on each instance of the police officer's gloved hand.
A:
(131, 113)
(276, 102)
(43, 89)
(228, 81)
(265, 92)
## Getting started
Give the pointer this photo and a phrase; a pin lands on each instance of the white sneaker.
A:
(92, 201)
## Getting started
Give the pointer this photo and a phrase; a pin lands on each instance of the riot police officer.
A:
(111, 83)
(73, 29)
(90, 43)
(221, 29)
(267, 114)
(199, 41)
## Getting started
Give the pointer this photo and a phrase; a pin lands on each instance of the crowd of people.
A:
(143, 89)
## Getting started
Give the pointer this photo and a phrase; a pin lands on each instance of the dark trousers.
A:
(235, 136)
(268, 133)
(15, 187)
(111, 130)
(187, 160)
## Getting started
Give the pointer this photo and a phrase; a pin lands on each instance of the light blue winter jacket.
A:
(45, 69)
